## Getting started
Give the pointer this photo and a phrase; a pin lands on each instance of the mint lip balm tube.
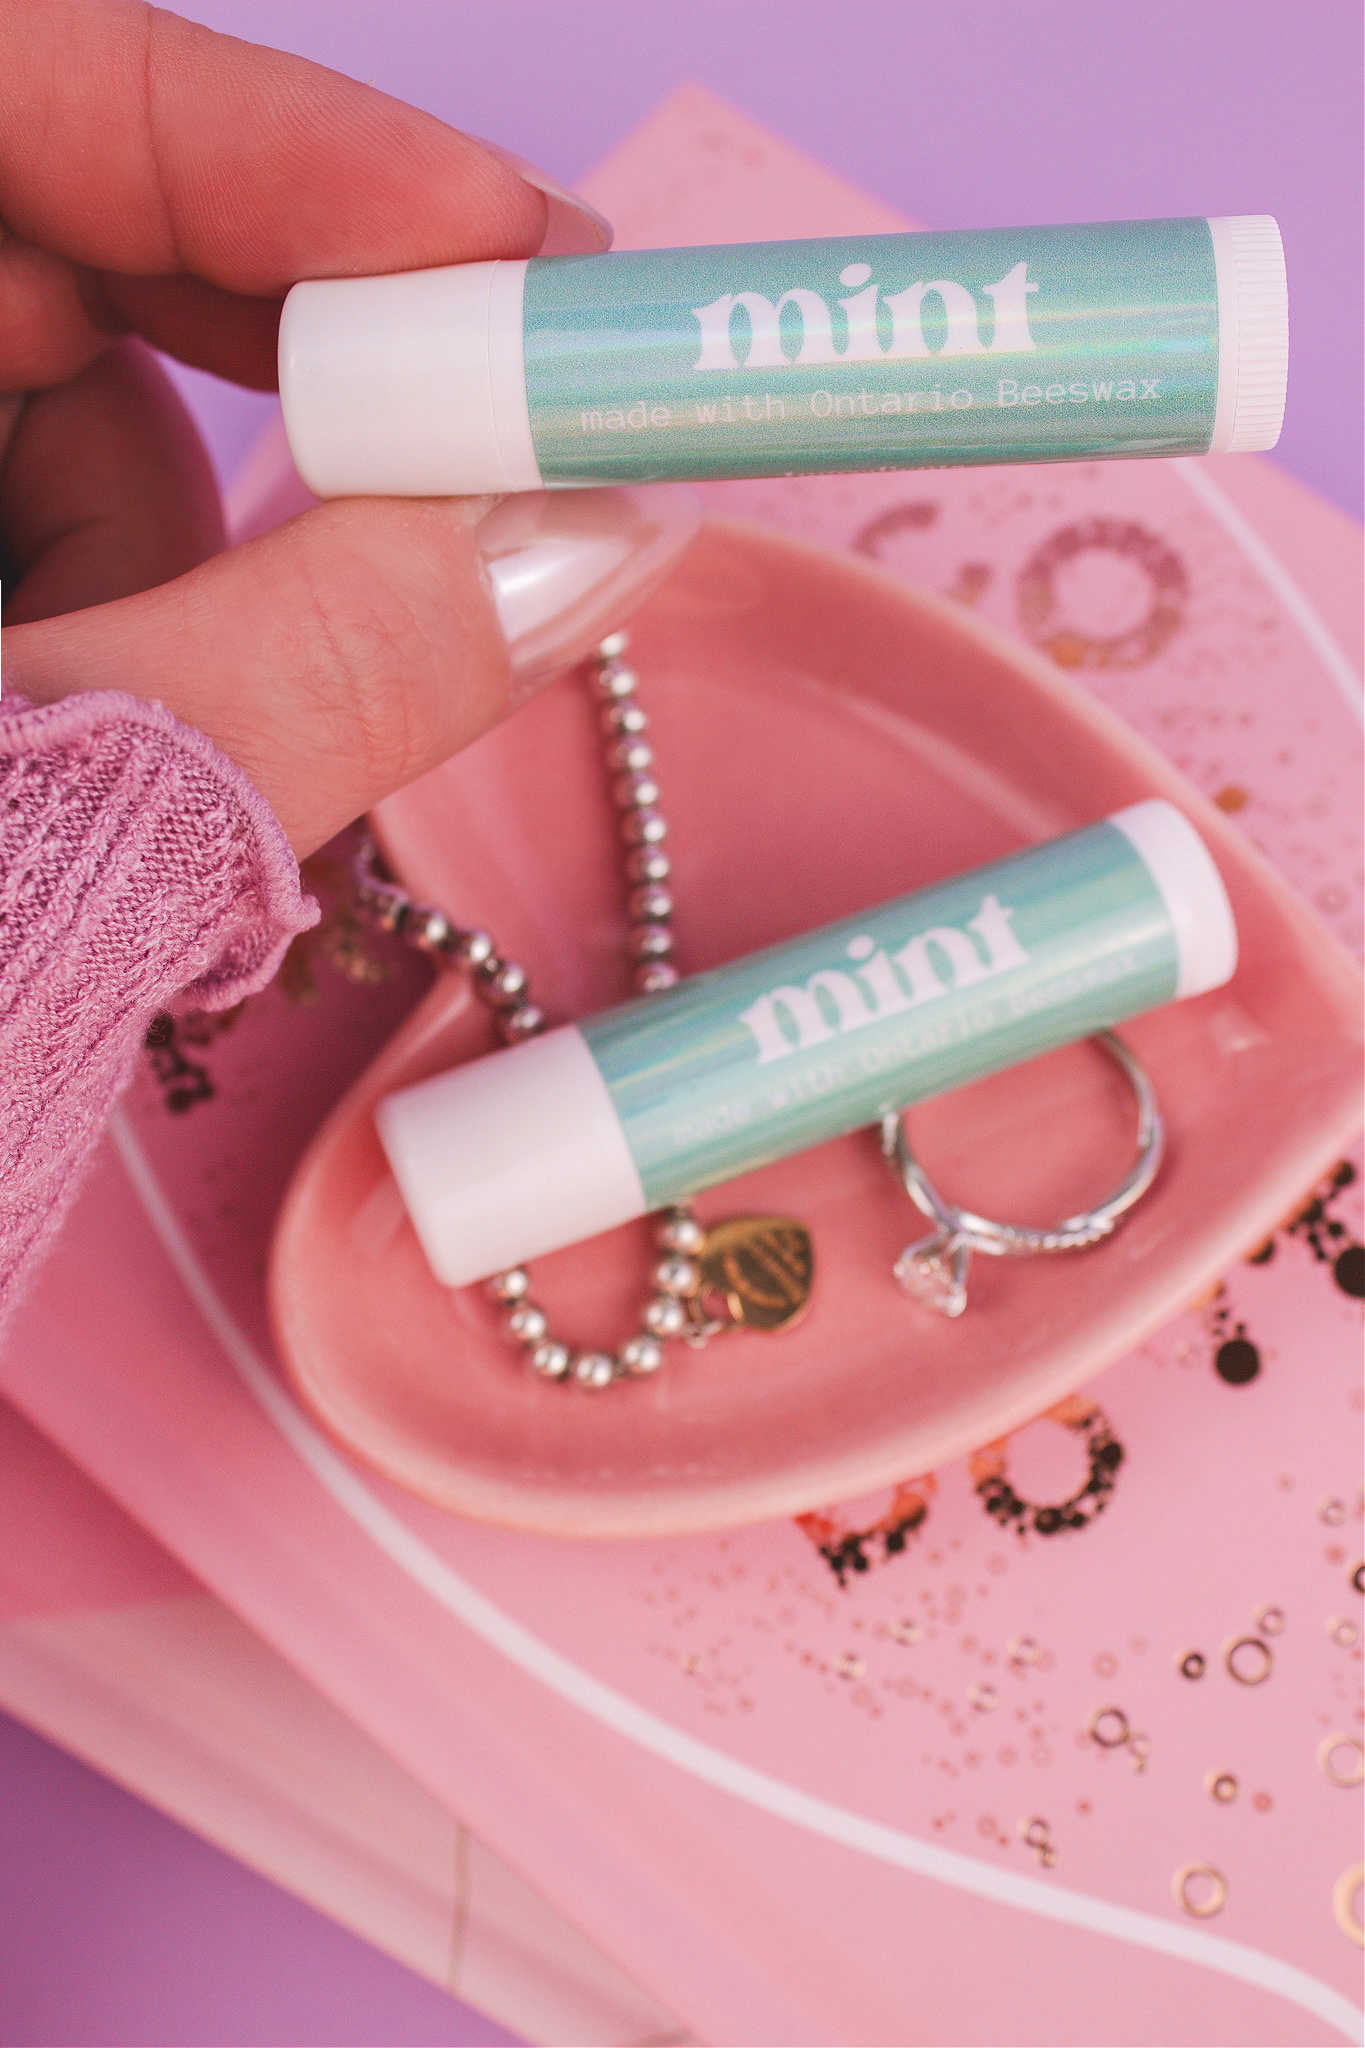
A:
(855, 352)
(572, 1133)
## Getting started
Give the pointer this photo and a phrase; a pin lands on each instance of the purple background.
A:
(116, 1926)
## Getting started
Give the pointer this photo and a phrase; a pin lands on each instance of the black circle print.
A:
(1237, 1361)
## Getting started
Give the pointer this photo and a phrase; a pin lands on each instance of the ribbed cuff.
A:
(137, 864)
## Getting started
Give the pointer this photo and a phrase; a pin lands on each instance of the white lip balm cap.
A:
(409, 386)
(510, 1156)
(1253, 333)
(1183, 869)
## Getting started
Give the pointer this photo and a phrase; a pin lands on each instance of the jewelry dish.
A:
(825, 739)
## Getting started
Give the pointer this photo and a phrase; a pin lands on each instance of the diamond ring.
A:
(935, 1269)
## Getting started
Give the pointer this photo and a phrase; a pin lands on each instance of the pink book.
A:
(868, 1775)
(111, 1648)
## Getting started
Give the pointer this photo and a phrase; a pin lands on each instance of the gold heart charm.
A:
(762, 1268)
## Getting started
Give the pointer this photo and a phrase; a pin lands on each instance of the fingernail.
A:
(572, 227)
(567, 567)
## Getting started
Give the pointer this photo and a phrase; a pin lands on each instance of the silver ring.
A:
(934, 1269)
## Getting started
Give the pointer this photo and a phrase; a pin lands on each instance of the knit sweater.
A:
(137, 865)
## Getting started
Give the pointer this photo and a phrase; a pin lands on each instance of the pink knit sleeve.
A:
(136, 863)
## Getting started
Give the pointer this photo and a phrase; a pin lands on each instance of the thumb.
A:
(346, 653)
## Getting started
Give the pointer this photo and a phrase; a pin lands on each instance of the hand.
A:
(163, 184)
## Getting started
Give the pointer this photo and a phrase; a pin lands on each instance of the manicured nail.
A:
(572, 227)
(567, 567)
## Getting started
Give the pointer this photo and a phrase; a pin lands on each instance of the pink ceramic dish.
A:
(826, 739)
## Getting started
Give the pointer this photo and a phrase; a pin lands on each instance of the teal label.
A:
(869, 352)
(748, 1063)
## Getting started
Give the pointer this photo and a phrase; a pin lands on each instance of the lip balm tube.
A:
(543, 1144)
(854, 352)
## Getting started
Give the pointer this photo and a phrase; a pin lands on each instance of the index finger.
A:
(134, 141)
(159, 178)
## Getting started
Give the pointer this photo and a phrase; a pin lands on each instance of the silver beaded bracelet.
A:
(751, 1272)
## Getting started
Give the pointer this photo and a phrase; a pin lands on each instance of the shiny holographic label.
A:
(869, 352)
(800, 1043)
